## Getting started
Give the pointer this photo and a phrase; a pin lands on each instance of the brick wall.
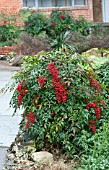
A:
(15, 5)
(10, 6)
(87, 12)
(6, 50)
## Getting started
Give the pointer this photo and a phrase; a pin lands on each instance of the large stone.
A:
(11, 156)
(15, 149)
(16, 61)
(93, 51)
(42, 157)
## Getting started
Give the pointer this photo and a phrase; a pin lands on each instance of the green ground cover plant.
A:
(96, 155)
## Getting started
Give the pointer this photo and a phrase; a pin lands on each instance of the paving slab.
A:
(9, 125)
(3, 159)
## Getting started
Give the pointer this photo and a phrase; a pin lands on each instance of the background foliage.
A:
(9, 31)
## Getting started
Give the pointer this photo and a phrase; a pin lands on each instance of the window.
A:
(53, 3)
(28, 3)
(44, 3)
(79, 2)
(61, 3)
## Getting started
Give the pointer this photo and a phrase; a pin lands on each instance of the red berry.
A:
(67, 27)
(5, 21)
(62, 17)
(19, 87)
(53, 24)
(27, 125)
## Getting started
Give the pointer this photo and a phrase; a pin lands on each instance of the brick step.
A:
(6, 50)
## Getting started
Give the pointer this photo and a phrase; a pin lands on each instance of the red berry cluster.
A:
(67, 27)
(53, 24)
(42, 80)
(5, 21)
(97, 113)
(33, 10)
(60, 90)
(31, 119)
(53, 71)
(96, 109)
(89, 105)
(92, 125)
(95, 84)
(62, 17)
(22, 91)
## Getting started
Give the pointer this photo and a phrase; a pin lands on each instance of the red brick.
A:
(6, 50)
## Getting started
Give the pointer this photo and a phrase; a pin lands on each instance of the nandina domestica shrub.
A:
(9, 31)
(61, 97)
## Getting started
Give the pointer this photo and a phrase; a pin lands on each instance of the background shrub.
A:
(57, 27)
(64, 31)
(9, 34)
(36, 23)
(77, 42)
(9, 31)
(31, 45)
(81, 25)
(99, 42)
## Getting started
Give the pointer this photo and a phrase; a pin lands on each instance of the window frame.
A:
(36, 5)
(73, 5)
(86, 3)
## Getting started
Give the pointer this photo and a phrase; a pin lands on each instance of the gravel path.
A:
(9, 125)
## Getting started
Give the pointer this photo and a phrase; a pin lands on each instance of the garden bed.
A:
(19, 157)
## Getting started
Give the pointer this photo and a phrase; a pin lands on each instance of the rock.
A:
(16, 61)
(93, 51)
(42, 157)
(11, 156)
(3, 57)
(15, 149)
